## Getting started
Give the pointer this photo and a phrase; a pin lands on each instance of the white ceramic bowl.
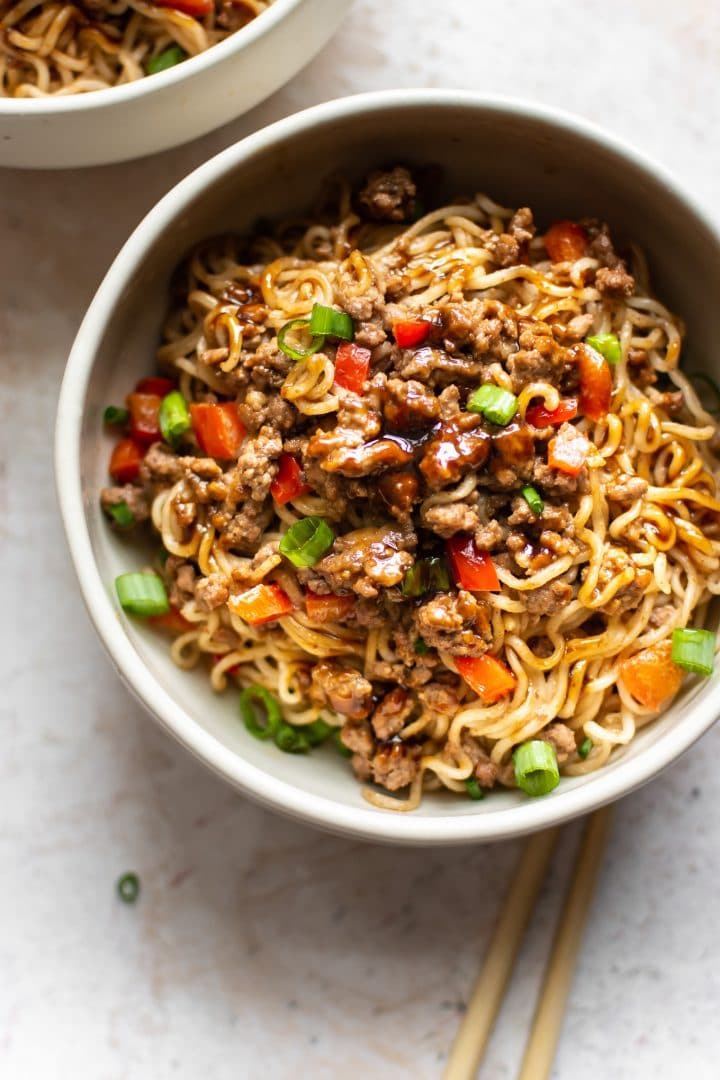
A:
(517, 152)
(174, 106)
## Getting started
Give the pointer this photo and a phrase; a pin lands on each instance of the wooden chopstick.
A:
(542, 1041)
(488, 991)
(486, 998)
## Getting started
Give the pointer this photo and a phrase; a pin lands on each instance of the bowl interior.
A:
(517, 157)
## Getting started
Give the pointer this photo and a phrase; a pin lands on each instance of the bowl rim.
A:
(194, 65)
(359, 821)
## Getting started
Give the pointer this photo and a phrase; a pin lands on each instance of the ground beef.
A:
(408, 406)
(539, 358)
(243, 531)
(211, 592)
(548, 599)
(490, 535)
(509, 247)
(267, 365)
(484, 771)
(344, 690)
(438, 699)
(161, 464)
(390, 715)
(459, 446)
(450, 518)
(395, 766)
(256, 466)
(362, 298)
(388, 196)
(561, 738)
(616, 562)
(616, 282)
(513, 450)
(136, 499)
(457, 623)
(367, 560)
(358, 737)
(180, 578)
(625, 488)
(259, 409)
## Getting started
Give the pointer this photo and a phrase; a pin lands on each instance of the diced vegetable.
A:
(536, 768)
(352, 366)
(298, 352)
(173, 621)
(651, 676)
(328, 608)
(115, 416)
(472, 569)
(608, 345)
(125, 461)
(261, 604)
(121, 514)
(144, 417)
(568, 451)
(218, 429)
(426, 575)
(565, 241)
(260, 712)
(317, 732)
(495, 404)
(328, 321)
(595, 383)
(142, 594)
(292, 740)
(155, 384)
(288, 483)
(196, 8)
(174, 417)
(166, 59)
(306, 541)
(409, 333)
(421, 647)
(540, 417)
(585, 747)
(533, 499)
(473, 789)
(128, 888)
(694, 650)
(489, 677)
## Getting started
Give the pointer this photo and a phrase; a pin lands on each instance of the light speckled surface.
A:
(260, 948)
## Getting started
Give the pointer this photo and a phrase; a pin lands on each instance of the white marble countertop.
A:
(260, 948)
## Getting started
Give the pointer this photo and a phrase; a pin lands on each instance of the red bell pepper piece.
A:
(144, 417)
(330, 608)
(173, 620)
(218, 428)
(568, 451)
(540, 417)
(411, 332)
(261, 604)
(489, 677)
(595, 382)
(125, 461)
(155, 384)
(472, 569)
(196, 8)
(352, 366)
(288, 483)
(565, 241)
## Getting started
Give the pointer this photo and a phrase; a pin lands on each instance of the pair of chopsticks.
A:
(487, 995)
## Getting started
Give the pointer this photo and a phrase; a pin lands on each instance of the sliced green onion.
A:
(421, 647)
(296, 352)
(496, 405)
(694, 650)
(585, 747)
(115, 416)
(166, 59)
(536, 768)
(142, 594)
(706, 381)
(426, 575)
(128, 888)
(533, 499)
(343, 749)
(473, 789)
(608, 345)
(326, 320)
(292, 740)
(306, 541)
(121, 514)
(174, 417)
(260, 712)
(317, 732)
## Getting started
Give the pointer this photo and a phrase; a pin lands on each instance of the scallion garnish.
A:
(260, 712)
(317, 732)
(426, 575)
(421, 647)
(298, 352)
(166, 59)
(115, 416)
(536, 767)
(128, 888)
(292, 740)
(608, 345)
(533, 499)
(306, 541)
(473, 789)
(694, 650)
(173, 417)
(326, 320)
(495, 404)
(121, 514)
(142, 594)
(585, 747)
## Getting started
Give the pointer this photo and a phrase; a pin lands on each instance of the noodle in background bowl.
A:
(174, 106)
(521, 155)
